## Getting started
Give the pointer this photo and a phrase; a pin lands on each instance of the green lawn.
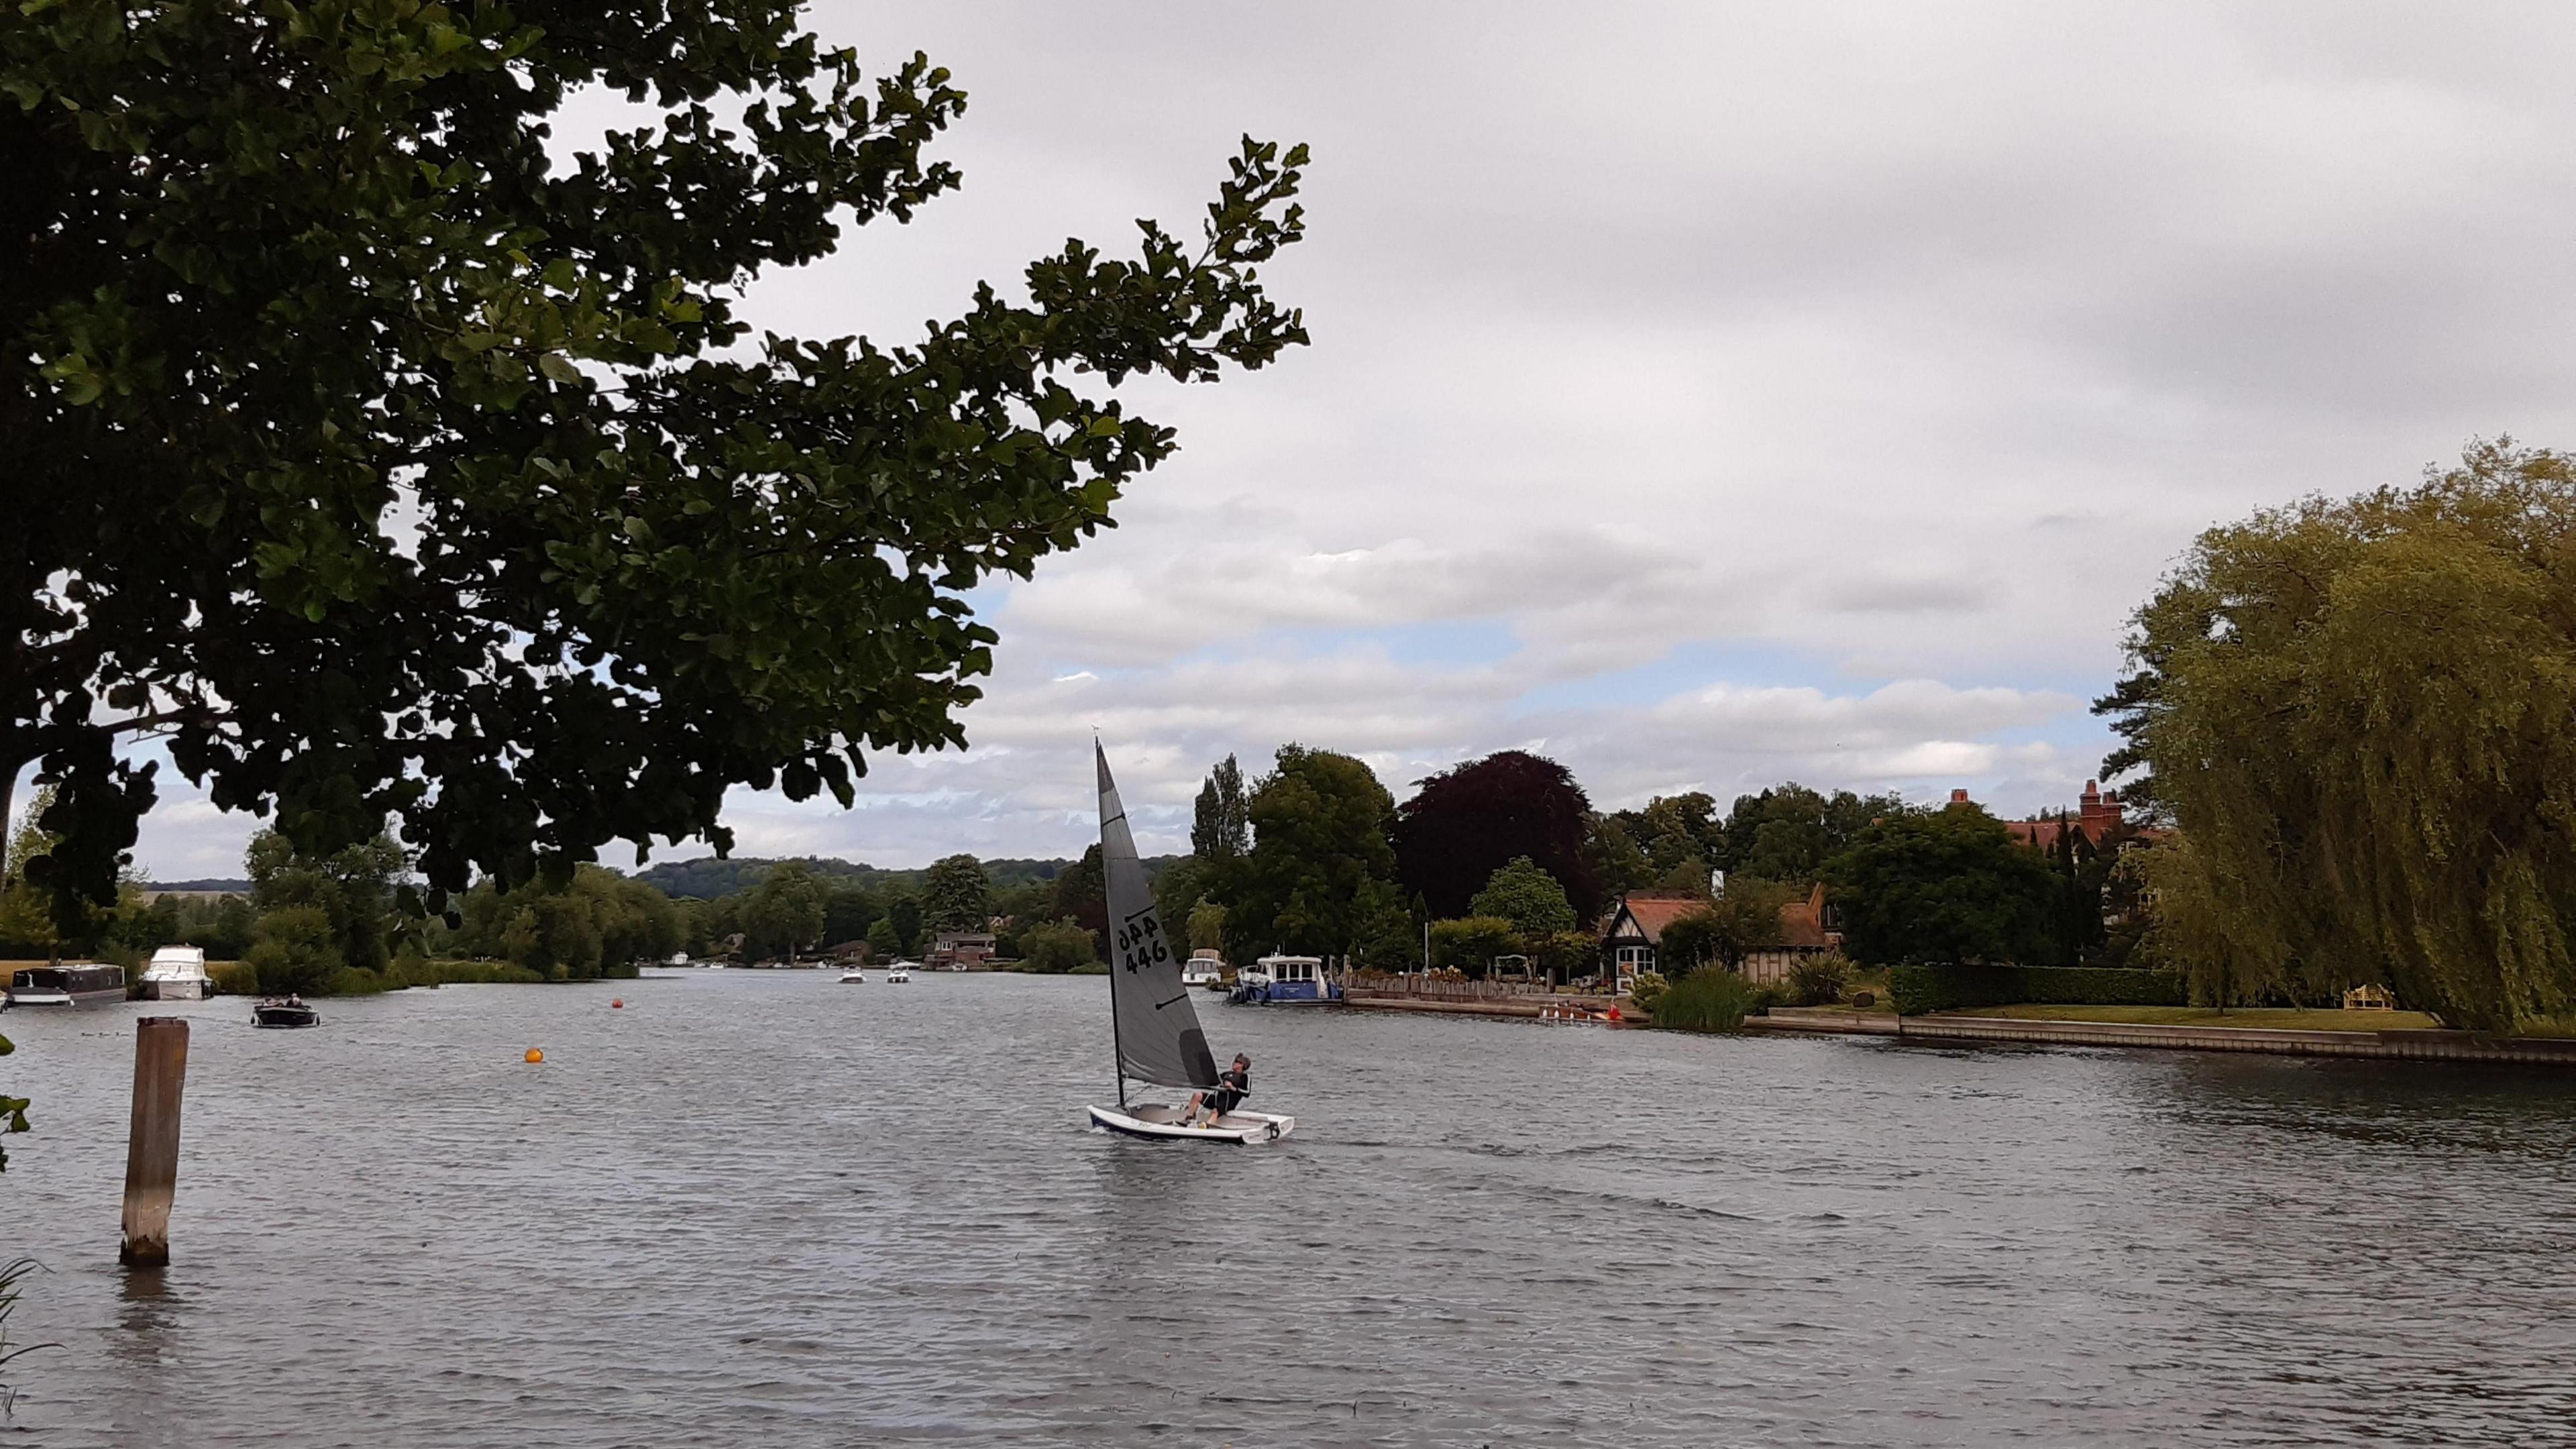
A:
(2277, 1018)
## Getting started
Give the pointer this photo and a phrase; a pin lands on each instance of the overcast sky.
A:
(1702, 395)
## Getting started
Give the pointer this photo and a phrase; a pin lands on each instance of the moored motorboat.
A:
(1204, 968)
(1285, 981)
(900, 973)
(289, 1012)
(854, 977)
(177, 973)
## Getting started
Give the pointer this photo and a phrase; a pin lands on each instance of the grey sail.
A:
(1159, 1040)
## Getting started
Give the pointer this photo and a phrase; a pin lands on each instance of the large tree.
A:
(2359, 714)
(1788, 832)
(1220, 825)
(957, 895)
(1467, 822)
(390, 466)
(1943, 885)
(1321, 869)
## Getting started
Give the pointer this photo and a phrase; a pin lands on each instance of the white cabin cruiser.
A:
(900, 973)
(854, 977)
(1154, 1031)
(1204, 968)
(177, 973)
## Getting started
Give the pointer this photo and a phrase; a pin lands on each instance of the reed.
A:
(1708, 999)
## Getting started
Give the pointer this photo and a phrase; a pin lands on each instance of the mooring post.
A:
(152, 1148)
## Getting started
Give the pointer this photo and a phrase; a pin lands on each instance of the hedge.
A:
(1918, 989)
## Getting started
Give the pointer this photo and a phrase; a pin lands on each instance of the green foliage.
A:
(269, 259)
(354, 889)
(1471, 944)
(1788, 832)
(1057, 947)
(783, 915)
(1646, 989)
(1941, 885)
(1179, 888)
(1614, 857)
(2357, 712)
(1819, 980)
(957, 896)
(1706, 1001)
(1390, 937)
(296, 949)
(1207, 927)
(1320, 862)
(13, 1118)
(1566, 955)
(1746, 918)
(1466, 823)
(1677, 833)
(598, 924)
(1688, 942)
(234, 978)
(1526, 896)
(1221, 823)
(1916, 989)
(10, 1274)
(1082, 896)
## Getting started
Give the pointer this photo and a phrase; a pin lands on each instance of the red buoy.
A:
(621, 1001)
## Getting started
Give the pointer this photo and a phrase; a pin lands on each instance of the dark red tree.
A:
(1465, 823)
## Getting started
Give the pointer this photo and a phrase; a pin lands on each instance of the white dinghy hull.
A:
(1162, 1124)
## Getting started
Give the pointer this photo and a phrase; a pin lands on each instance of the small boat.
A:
(1284, 981)
(1154, 1031)
(900, 973)
(177, 973)
(74, 983)
(854, 977)
(1204, 968)
(290, 1012)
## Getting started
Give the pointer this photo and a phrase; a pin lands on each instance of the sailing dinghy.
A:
(1154, 1029)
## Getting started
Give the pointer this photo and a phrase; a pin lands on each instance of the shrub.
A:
(1819, 980)
(1918, 989)
(296, 949)
(1469, 945)
(1706, 1001)
(1057, 949)
(357, 981)
(232, 978)
(1650, 985)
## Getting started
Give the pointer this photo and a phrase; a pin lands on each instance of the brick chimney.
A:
(2099, 812)
(1959, 797)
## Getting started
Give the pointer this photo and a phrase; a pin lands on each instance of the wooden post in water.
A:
(152, 1147)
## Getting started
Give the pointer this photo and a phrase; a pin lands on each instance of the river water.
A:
(764, 1208)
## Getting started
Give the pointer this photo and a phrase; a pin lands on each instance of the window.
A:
(1635, 958)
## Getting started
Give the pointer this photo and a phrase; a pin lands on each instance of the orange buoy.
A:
(535, 1055)
(619, 1002)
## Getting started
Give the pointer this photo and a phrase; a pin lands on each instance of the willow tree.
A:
(2362, 716)
(392, 462)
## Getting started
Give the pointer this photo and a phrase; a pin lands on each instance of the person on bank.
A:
(1231, 1088)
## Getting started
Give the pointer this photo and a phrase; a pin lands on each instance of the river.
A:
(763, 1208)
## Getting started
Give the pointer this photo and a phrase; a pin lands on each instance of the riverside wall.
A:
(2446, 1046)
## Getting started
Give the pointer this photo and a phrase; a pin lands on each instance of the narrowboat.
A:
(71, 984)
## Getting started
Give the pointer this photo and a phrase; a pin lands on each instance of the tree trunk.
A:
(8, 787)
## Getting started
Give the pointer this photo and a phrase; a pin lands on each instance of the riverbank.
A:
(2402, 1044)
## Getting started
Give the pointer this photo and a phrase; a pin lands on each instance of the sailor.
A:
(1231, 1088)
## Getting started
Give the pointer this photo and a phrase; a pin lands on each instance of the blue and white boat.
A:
(1285, 981)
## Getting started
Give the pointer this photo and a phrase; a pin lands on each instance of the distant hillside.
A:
(707, 877)
(199, 887)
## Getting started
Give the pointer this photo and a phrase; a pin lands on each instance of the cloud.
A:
(1708, 394)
